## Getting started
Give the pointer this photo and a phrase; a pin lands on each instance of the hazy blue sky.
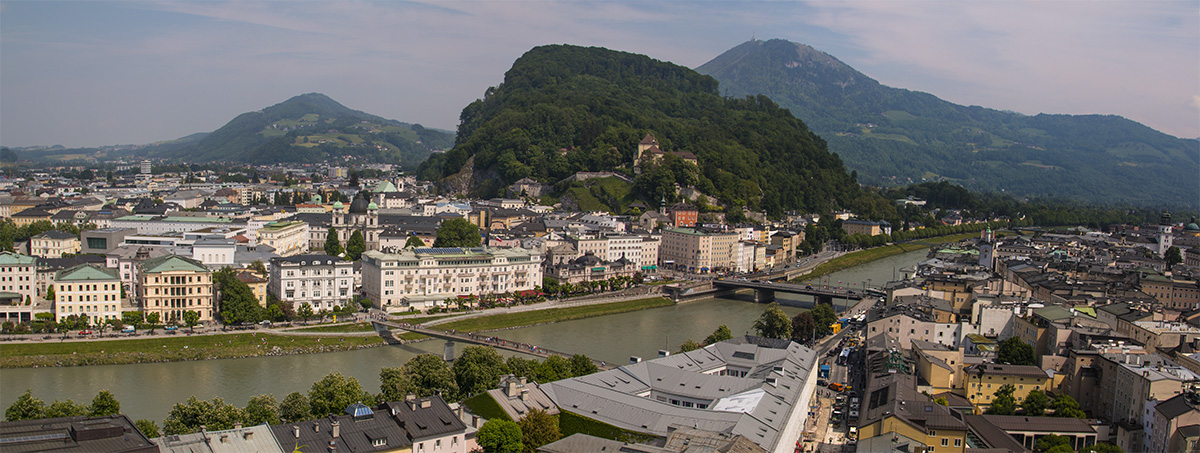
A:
(100, 73)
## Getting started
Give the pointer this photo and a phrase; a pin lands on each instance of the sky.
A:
(93, 73)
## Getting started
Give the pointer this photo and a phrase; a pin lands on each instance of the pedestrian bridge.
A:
(764, 290)
(385, 328)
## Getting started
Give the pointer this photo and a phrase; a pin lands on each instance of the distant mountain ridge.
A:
(893, 136)
(309, 128)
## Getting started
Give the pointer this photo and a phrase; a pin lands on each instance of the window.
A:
(932, 433)
(379, 442)
(957, 442)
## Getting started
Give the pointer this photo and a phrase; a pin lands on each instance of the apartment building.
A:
(18, 274)
(322, 281)
(1174, 293)
(617, 246)
(424, 277)
(693, 250)
(981, 381)
(171, 285)
(54, 244)
(87, 290)
(1128, 381)
(287, 238)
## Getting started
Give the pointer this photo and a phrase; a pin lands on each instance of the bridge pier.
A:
(448, 352)
(824, 299)
(764, 296)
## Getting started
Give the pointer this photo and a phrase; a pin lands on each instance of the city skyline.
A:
(106, 73)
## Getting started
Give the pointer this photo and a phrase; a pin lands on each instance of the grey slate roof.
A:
(354, 435)
(762, 412)
(114, 433)
(427, 417)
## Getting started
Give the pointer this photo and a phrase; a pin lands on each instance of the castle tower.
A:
(1164, 233)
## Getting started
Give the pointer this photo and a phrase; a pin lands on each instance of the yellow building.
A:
(257, 284)
(287, 238)
(87, 290)
(892, 406)
(980, 382)
(172, 285)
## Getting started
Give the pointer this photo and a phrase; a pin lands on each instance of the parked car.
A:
(85, 332)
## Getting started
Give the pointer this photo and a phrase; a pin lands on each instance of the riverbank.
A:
(860, 257)
(173, 349)
(549, 315)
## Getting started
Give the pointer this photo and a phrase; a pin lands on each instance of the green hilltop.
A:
(309, 128)
(894, 136)
(565, 109)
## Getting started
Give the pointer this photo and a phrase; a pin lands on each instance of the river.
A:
(148, 390)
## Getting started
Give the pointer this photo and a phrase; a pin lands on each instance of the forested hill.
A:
(311, 128)
(563, 109)
(893, 136)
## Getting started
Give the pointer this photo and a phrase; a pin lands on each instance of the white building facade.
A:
(322, 281)
(424, 277)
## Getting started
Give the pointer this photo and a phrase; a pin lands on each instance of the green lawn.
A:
(171, 349)
(551, 315)
(485, 406)
(570, 423)
(356, 327)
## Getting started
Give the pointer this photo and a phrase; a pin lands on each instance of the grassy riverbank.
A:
(529, 318)
(171, 349)
(860, 257)
(338, 328)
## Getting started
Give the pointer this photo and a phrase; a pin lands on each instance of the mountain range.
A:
(892, 136)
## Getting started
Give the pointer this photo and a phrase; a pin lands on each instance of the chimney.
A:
(332, 446)
(525, 396)
(337, 428)
(425, 403)
(237, 425)
(410, 396)
(248, 435)
(296, 431)
(316, 427)
(224, 438)
(412, 405)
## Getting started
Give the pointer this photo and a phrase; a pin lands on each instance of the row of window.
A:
(87, 287)
(89, 308)
(11, 269)
(90, 298)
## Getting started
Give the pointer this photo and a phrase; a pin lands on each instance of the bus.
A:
(845, 355)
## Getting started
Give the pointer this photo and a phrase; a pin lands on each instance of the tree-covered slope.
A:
(311, 128)
(893, 136)
(563, 109)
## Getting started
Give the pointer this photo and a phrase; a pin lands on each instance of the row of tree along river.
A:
(149, 390)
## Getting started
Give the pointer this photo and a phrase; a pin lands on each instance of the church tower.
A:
(1164, 233)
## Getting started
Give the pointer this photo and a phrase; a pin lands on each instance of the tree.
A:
(66, 408)
(238, 302)
(1102, 448)
(1035, 403)
(552, 369)
(804, 327)
(353, 179)
(582, 365)
(500, 436)
(1065, 406)
(1173, 256)
(295, 408)
(414, 241)
(1003, 403)
(522, 367)
(214, 415)
(393, 384)
(427, 374)
(49, 292)
(365, 303)
(773, 323)
(824, 316)
(334, 393)
(690, 345)
(153, 319)
(147, 427)
(191, 318)
(355, 246)
(457, 232)
(1053, 443)
(133, 318)
(537, 429)
(478, 370)
(333, 247)
(262, 409)
(305, 312)
(104, 404)
(942, 400)
(26, 407)
(1013, 351)
(721, 334)
(259, 267)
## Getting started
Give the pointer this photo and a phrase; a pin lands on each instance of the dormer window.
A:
(379, 442)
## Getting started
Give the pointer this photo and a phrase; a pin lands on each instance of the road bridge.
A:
(764, 290)
(384, 329)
